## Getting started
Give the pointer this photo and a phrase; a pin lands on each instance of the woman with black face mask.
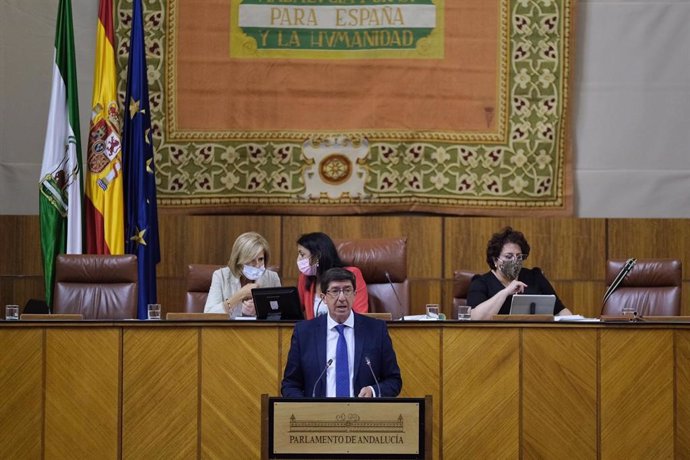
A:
(491, 293)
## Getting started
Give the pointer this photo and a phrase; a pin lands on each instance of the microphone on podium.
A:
(390, 283)
(328, 364)
(378, 387)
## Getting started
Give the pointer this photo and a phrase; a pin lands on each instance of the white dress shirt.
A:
(331, 344)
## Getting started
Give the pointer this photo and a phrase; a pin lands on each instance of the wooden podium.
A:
(391, 428)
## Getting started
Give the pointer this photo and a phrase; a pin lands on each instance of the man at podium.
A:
(341, 354)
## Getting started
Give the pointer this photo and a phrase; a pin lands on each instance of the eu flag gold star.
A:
(148, 166)
(139, 237)
(133, 107)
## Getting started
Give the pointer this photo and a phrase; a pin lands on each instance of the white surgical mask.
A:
(306, 268)
(253, 273)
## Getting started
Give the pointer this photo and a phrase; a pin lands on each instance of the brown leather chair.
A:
(375, 258)
(96, 286)
(461, 286)
(653, 287)
(198, 283)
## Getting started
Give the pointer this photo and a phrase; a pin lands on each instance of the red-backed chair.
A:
(652, 288)
(96, 286)
(461, 286)
(375, 258)
(198, 283)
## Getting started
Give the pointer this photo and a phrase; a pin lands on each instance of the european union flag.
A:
(141, 211)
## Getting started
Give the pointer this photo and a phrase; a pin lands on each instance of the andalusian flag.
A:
(103, 204)
(60, 184)
(139, 169)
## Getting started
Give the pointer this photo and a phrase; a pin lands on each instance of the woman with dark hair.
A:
(316, 253)
(491, 293)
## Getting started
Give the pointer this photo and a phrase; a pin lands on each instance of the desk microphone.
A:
(390, 283)
(378, 387)
(532, 308)
(328, 364)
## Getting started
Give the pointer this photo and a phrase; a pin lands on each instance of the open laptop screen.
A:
(277, 303)
(532, 304)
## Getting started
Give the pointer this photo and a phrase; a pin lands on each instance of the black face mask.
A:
(511, 268)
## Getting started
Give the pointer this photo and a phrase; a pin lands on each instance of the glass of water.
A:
(432, 310)
(464, 312)
(11, 312)
(154, 311)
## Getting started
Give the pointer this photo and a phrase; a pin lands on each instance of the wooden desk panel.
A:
(481, 396)
(418, 352)
(682, 367)
(637, 393)
(191, 390)
(21, 380)
(160, 392)
(559, 393)
(82, 398)
(237, 367)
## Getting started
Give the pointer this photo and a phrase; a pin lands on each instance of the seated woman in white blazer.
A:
(231, 286)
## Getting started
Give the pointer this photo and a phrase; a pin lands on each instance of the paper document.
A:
(575, 318)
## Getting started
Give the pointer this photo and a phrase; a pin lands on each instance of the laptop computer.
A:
(532, 304)
(277, 303)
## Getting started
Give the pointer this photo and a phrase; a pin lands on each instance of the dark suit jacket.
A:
(307, 359)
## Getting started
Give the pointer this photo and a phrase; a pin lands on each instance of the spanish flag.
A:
(104, 202)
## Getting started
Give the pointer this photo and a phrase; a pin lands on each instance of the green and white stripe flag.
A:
(61, 183)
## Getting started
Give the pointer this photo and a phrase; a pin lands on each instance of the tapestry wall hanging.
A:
(359, 106)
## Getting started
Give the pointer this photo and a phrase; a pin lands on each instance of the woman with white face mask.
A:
(231, 286)
(316, 253)
(491, 293)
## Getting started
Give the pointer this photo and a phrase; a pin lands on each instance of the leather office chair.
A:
(198, 283)
(461, 286)
(653, 287)
(375, 258)
(96, 286)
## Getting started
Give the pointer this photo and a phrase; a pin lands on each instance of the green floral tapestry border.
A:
(529, 168)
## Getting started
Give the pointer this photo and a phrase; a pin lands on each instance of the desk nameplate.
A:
(376, 427)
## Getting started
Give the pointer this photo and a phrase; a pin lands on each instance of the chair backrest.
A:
(653, 287)
(96, 286)
(461, 286)
(199, 278)
(375, 258)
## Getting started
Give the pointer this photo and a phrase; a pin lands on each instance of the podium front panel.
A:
(343, 427)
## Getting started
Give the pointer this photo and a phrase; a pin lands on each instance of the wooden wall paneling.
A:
(82, 393)
(649, 239)
(418, 350)
(210, 238)
(238, 365)
(173, 233)
(21, 376)
(424, 237)
(682, 340)
(423, 292)
(637, 393)
(171, 294)
(559, 393)
(20, 246)
(581, 297)
(481, 396)
(564, 248)
(161, 393)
